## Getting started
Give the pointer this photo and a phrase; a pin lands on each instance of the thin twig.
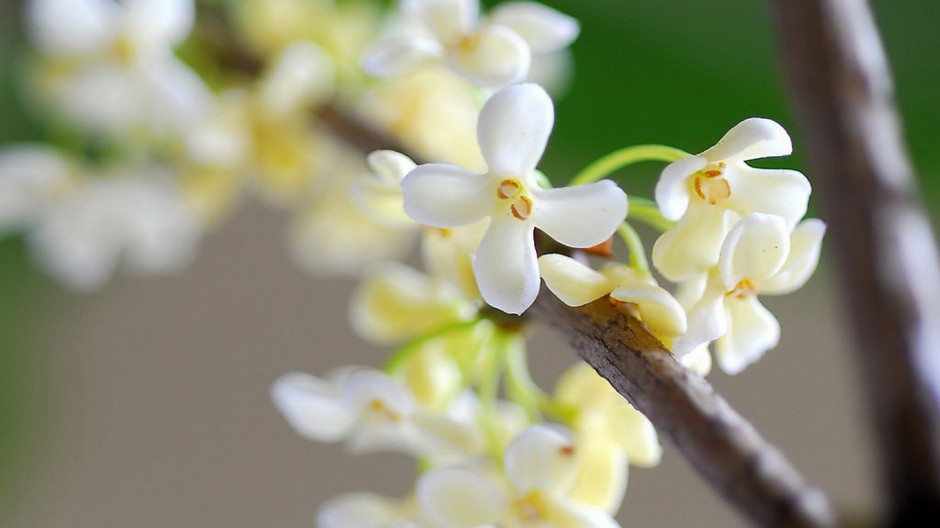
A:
(722, 446)
(842, 91)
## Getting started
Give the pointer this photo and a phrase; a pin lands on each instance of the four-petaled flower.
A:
(759, 256)
(708, 192)
(535, 489)
(490, 53)
(513, 131)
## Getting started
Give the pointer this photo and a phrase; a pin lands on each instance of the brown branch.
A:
(722, 446)
(842, 92)
(728, 452)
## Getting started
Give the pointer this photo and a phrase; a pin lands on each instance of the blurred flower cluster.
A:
(164, 115)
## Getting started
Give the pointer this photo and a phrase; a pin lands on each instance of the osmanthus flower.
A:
(532, 489)
(708, 192)
(367, 510)
(369, 411)
(265, 132)
(446, 252)
(109, 66)
(611, 434)
(491, 53)
(330, 235)
(395, 303)
(512, 132)
(433, 112)
(577, 284)
(82, 226)
(759, 257)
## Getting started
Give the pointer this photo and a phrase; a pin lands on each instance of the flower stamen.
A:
(531, 508)
(743, 290)
(711, 190)
(378, 407)
(521, 208)
(508, 188)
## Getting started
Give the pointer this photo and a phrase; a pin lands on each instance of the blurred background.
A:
(146, 404)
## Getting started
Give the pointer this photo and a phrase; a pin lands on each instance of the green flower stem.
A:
(646, 211)
(400, 357)
(635, 246)
(619, 159)
(522, 389)
(488, 390)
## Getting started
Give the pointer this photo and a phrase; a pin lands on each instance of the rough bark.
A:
(722, 446)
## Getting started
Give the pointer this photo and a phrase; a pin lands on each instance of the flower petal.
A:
(159, 25)
(707, 319)
(672, 189)
(506, 265)
(694, 244)
(571, 514)
(356, 510)
(635, 435)
(176, 97)
(602, 476)
(574, 283)
(659, 310)
(542, 458)
(755, 249)
(366, 388)
(448, 254)
(72, 27)
(459, 497)
(514, 127)
(395, 303)
(29, 175)
(495, 56)
(751, 139)
(698, 361)
(440, 195)
(389, 166)
(301, 76)
(543, 28)
(581, 216)
(450, 20)
(805, 245)
(313, 407)
(752, 330)
(773, 191)
(396, 56)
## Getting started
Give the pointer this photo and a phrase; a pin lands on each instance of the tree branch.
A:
(842, 92)
(722, 446)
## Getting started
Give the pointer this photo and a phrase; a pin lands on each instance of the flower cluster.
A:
(146, 152)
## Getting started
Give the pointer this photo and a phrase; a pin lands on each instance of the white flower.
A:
(111, 66)
(759, 256)
(82, 227)
(142, 222)
(378, 194)
(708, 192)
(395, 303)
(30, 177)
(331, 235)
(370, 412)
(540, 469)
(364, 407)
(365, 510)
(489, 53)
(577, 284)
(513, 130)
